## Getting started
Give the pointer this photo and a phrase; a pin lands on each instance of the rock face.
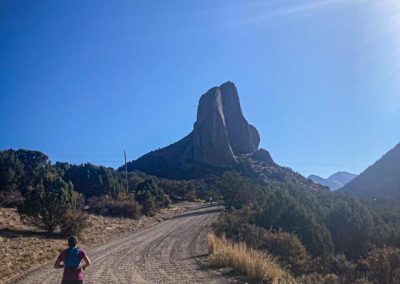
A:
(220, 134)
(263, 156)
(221, 131)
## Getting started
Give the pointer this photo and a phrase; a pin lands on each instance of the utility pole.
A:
(126, 174)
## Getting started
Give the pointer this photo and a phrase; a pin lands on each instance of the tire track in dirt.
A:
(167, 252)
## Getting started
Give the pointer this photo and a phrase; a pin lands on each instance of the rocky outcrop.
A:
(263, 155)
(243, 137)
(211, 144)
(221, 132)
(219, 135)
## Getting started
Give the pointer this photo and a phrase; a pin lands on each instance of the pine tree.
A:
(47, 203)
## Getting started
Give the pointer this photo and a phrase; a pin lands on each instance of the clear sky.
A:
(84, 80)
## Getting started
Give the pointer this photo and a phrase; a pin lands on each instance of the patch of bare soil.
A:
(24, 248)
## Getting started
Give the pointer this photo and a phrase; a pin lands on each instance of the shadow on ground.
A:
(198, 213)
(10, 233)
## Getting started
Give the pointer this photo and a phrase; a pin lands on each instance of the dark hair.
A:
(72, 241)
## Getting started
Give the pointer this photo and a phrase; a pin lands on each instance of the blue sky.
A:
(84, 80)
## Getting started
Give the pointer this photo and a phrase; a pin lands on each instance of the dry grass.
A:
(255, 264)
(23, 247)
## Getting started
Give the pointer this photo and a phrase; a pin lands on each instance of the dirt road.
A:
(167, 252)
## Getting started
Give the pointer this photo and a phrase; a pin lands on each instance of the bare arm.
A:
(87, 262)
(58, 264)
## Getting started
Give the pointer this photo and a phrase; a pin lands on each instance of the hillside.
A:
(335, 181)
(381, 180)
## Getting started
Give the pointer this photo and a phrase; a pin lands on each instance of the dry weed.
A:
(253, 263)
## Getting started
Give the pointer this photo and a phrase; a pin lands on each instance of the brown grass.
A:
(254, 264)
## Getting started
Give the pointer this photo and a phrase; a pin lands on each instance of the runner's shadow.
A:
(11, 234)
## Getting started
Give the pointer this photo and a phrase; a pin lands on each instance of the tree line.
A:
(51, 195)
(313, 233)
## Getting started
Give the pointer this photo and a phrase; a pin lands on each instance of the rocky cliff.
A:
(220, 134)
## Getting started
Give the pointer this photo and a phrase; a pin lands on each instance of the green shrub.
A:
(11, 198)
(239, 191)
(234, 224)
(344, 268)
(20, 169)
(73, 223)
(92, 180)
(190, 196)
(287, 209)
(354, 229)
(125, 207)
(149, 205)
(48, 202)
(315, 278)
(382, 265)
(286, 247)
(166, 201)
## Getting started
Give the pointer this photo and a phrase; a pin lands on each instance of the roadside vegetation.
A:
(257, 265)
(318, 236)
(314, 235)
(57, 198)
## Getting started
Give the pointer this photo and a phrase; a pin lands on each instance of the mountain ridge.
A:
(380, 180)
(334, 181)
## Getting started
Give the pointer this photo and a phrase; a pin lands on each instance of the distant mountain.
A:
(318, 179)
(335, 181)
(381, 180)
